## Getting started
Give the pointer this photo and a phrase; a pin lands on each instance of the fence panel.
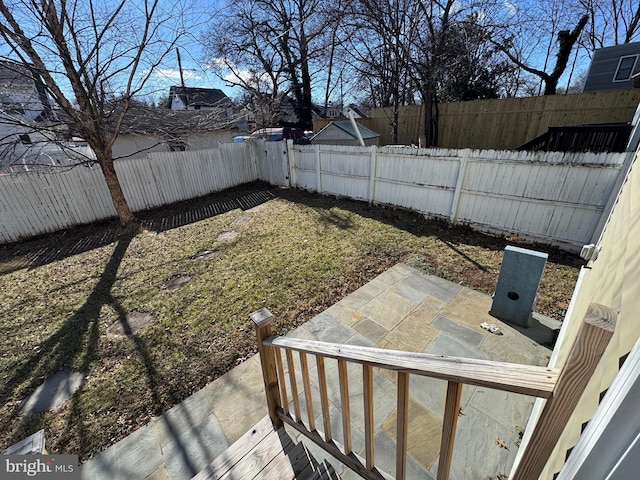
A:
(34, 203)
(555, 198)
(273, 161)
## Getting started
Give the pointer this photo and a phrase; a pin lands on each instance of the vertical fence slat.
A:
(344, 399)
(324, 398)
(304, 366)
(283, 383)
(402, 427)
(367, 383)
(294, 385)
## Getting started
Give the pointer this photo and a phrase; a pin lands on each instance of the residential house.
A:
(343, 133)
(195, 98)
(30, 132)
(613, 68)
(148, 130)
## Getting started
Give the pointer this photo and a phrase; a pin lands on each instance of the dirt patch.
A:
(176, 282)
(132, 324)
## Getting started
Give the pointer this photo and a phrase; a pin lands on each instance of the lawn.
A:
(293, 252)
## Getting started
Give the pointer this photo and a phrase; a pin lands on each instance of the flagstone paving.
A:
(402, 309)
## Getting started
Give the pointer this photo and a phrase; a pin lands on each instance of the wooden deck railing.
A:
(562, 389)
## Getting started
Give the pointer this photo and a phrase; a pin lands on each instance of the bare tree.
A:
(92, 58)
(566, 41)
(611, 22)
(380, 45)
(267, 47)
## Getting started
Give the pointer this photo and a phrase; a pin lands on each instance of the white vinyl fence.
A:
(554, 198)
(39, 202)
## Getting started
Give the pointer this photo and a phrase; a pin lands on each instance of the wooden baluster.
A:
(451, 412)
(262, 320)
(402, 427)
(294, 385)
(304, 366)
(324, 398)
(591, 342)
(346, 412)
(283, 383)
(367, 383)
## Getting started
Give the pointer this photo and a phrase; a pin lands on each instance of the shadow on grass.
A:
(74, 345)
(56, 246)
(416, 224)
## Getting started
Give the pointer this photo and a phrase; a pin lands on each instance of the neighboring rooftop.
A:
(196, 98)
(347, 127)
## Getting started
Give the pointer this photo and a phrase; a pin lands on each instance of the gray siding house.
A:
(613, 68)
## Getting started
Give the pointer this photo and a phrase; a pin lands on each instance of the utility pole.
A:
(184, 89)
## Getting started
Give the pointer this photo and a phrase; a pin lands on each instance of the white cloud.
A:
(219, 62)
(512, 8)
(174, 74)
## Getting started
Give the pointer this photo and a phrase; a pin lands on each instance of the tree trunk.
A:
(125, 214)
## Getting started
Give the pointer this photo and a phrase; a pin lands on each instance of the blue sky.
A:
(198, 14)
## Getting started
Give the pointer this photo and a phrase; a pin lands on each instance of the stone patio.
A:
(401, 309)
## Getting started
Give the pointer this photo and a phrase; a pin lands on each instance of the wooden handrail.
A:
(509, 377)
(561, 389)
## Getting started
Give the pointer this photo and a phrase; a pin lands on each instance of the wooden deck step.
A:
(266, 453)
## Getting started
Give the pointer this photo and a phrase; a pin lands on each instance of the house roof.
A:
(347, 127)
(171, 123)
(205, 97)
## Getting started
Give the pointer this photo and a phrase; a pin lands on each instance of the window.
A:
(25, 139)
(177, 146)
(625, 68)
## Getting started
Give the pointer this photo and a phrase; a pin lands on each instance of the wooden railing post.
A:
(451, 412)
(262, 320)
(592, 340)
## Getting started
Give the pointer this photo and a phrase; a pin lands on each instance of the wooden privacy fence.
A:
(506, 123)
(547, 197)
(40, 202)
(562, 390)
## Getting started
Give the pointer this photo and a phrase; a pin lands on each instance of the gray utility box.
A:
(518, 283)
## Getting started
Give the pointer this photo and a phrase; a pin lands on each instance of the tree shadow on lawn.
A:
(43, 250)
(416, 224)
(75, 345)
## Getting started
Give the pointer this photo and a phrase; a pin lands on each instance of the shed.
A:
(343, 133)
(613, 68)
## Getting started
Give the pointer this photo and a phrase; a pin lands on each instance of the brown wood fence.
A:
(503, 124)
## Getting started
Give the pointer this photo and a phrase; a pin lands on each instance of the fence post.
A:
(262, 320)
(372, 174)
(591, 342)
(462, 170)
(318, 170)
(293, 181)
